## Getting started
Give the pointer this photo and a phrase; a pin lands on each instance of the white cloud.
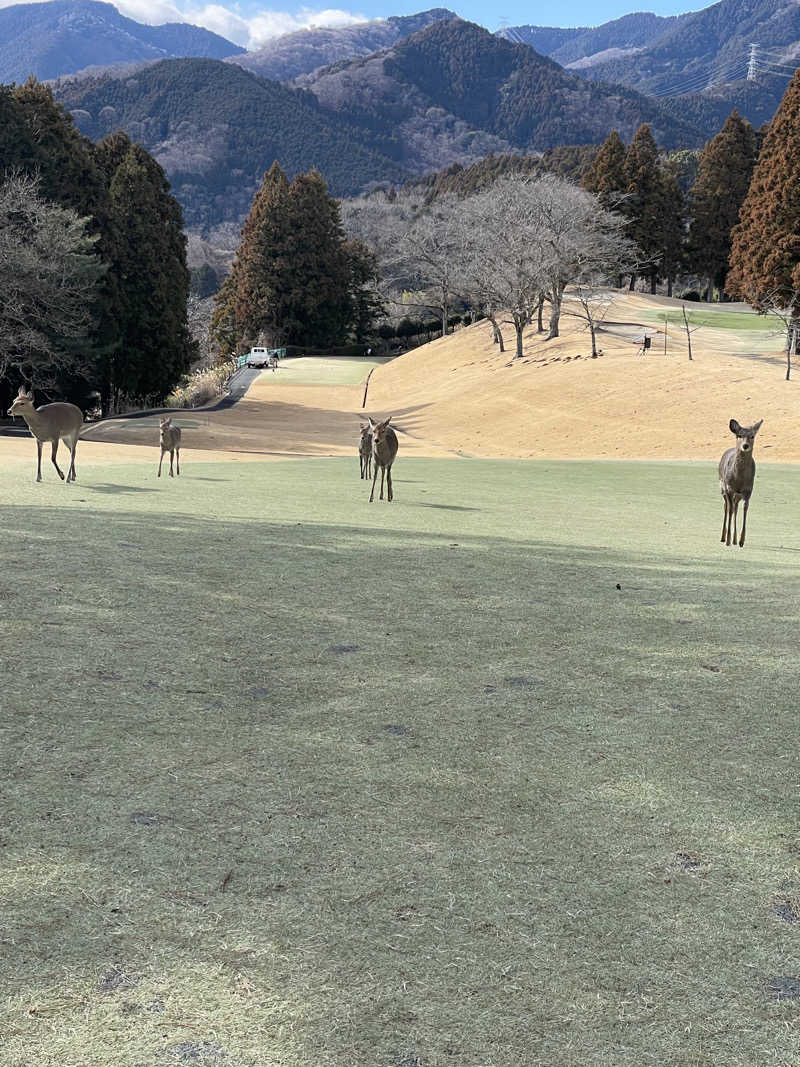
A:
(250, 31)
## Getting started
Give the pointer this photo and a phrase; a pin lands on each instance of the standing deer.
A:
(365, 450)
(170, 442)
(737, 472)
(384, 450)
(51, 422)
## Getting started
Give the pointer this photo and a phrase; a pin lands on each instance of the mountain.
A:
(51, 39)
(215, 129)
(453, 92)
(294, 54)
(702, 61)
(580, 47)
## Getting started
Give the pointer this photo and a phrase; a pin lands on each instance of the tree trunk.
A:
(594, 339)
(445, 310)
(653, 281)
(669, 286)
(518, 327)
(497, 334)
(540, 314)
(632, 286)
(555, 313)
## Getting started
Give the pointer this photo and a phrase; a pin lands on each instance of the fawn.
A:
(384, 451)
(51, 422)
(737, 472)
(170, 442)
(365, 450)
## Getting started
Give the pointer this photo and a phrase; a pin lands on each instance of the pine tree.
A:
(765, 245)
(672, 224)
(154, 280)
(295, 279)
(606, 177)
(315, 297)
(723, 178)
(644, 203)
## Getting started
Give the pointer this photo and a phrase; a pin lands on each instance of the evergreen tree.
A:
(365, 303)
(153, 278)
(606, 177)
(645, 189)
(295, 279)
(765, 244)
(263, 255)
(315, 297)
(673, 226)
(723, 178)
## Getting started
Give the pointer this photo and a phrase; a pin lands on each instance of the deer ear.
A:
(387, 421)
(734, 426)
(371, 423)
(757, 426)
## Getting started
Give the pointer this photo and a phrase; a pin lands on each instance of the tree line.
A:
(92, 261)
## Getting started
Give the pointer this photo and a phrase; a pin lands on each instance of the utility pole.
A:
(751, 64)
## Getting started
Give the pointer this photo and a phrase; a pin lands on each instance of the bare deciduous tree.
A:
(48, 274)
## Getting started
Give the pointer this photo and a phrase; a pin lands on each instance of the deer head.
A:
(745, 435)
(23, 401)
(379, 429)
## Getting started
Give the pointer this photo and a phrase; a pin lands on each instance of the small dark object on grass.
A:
(343, 648)
(145, 818)
(116, 979)
(688, 861)
(520, 682)
(618, 586)
(259, 693)
(784, 988)
(397, 730)
(788, 910)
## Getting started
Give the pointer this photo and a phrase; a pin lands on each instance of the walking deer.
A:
(365, 451)
(384, 451)
(737, 472)
(170, 442)
(53, 423)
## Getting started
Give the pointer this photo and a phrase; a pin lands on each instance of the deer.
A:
(737, 472)
(170, 442)
(384, 451)
(53, 423)
(365, 451)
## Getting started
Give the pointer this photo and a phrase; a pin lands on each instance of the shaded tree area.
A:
(765, 244)
(296, 279)
(725, 168)
(136, 232)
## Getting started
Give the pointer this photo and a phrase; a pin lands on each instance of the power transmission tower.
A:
(751, 63)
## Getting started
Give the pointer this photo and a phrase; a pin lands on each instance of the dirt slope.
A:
(462, 394)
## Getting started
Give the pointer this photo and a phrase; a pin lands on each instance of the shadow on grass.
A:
(502, 770)
(110, 488)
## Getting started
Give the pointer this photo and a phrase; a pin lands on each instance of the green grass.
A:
(501, 774)
(322, 370)
(716, 319)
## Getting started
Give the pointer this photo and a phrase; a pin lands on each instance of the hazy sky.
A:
(251, 22)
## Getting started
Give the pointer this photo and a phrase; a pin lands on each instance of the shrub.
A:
(200, 387)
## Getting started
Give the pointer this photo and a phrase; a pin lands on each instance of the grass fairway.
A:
(716, 318)
(322, 370)
(502, 774)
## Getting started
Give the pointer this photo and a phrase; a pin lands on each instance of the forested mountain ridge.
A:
(455, 72)
(579, 45)
(294, 54)
(215, 129)
(59, 37)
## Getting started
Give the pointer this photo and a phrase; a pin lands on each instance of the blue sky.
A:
(252, 22)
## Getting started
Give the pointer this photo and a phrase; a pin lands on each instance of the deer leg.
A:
(374, 477)
(53, 457)
(171, 461)
(724, 517)
(383, 472)
(39, 468)
(735, 518)
(178, 460)
(71, 471)
(744, 520)
(389, 482)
